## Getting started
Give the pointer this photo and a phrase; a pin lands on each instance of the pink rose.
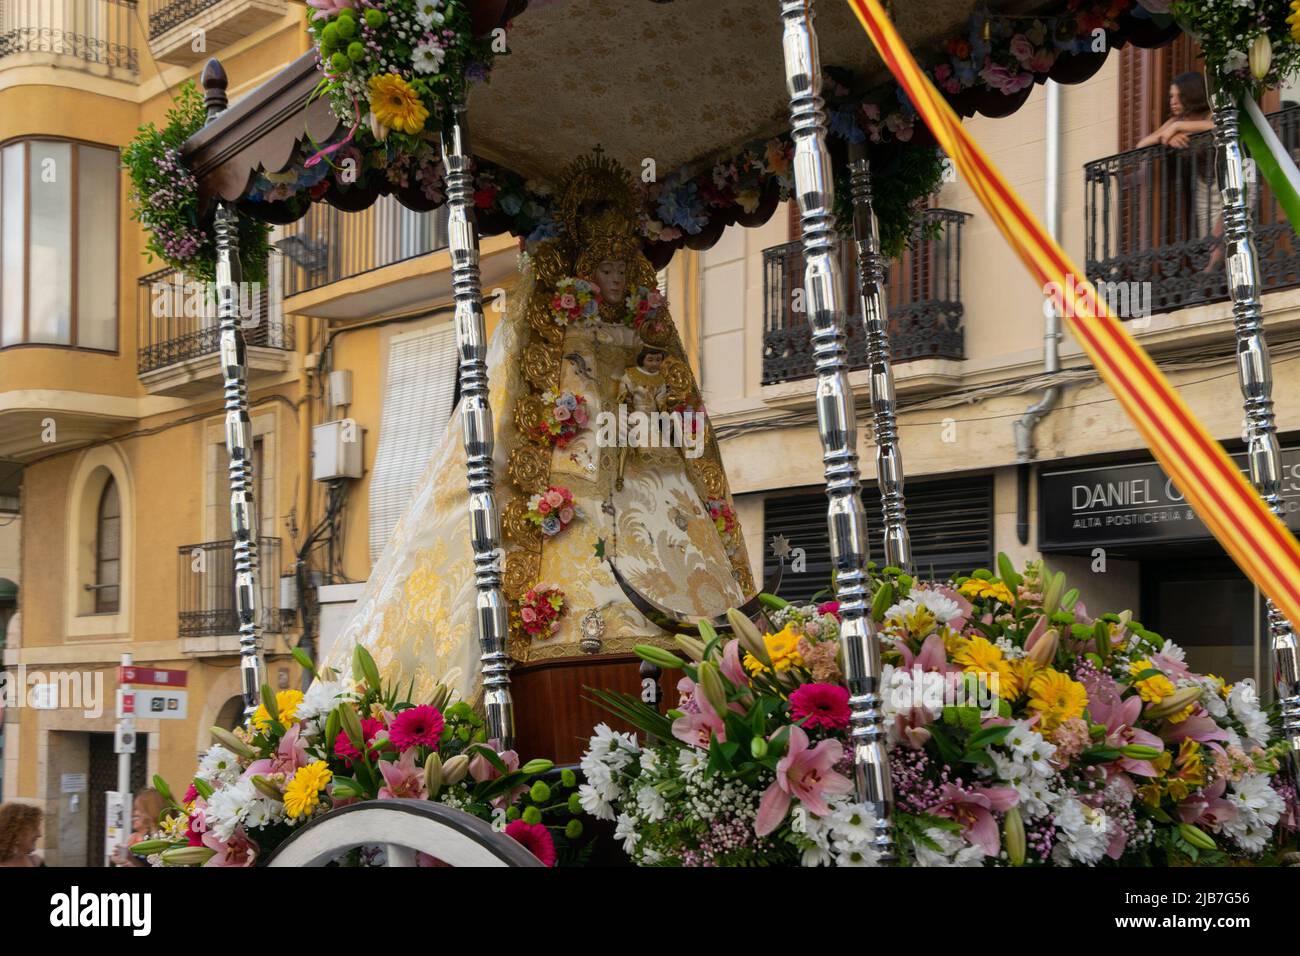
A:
(567, 301)
(580, 415)
(554, 498)
(561, 413)
(528, 614)
(543, 506)
(566, 515)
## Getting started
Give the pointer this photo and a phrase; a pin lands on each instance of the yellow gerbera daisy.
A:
(976, 587)
(286, 703)
(396, 105)
(302, 795)
(1056, 698)
(1153, 689)
(979, 655)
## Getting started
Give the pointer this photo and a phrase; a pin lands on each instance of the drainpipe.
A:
(1024, 426)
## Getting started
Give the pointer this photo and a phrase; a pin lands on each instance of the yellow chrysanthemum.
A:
(1154, 688)
(1056, 698)
(978, 588)
(286, 703)
(396, 105)
(302, 795)
(918, 624)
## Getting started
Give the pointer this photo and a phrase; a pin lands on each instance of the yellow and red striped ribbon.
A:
(1212, 484)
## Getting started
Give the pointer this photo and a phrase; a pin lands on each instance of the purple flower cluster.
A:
(914, 792)
(727, 835)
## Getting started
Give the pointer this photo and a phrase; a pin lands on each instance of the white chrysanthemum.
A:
(1084, 830)
(953, 851)
(1173, 652)
(1244, 702)
(851, 824)
(428, 58)
(263, 812)
(219, 766)
(940, 605)
(429, 13)
(1259, 807)
(691, 760)
(322, 697)
(651, 804)
(816, 856)
(228, 807)
(627, 832)
(649, 761)
(860, 854)
(594, 803)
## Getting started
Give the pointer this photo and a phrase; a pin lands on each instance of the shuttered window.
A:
(419, 393)
(950, 522)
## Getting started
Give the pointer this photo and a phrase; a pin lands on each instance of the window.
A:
(108, 551)
(58, 244)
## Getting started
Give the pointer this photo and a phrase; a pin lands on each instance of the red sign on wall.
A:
(148, 675)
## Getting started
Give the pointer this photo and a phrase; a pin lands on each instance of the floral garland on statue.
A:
(723, 516)
(645, 308)
(164, 196)
(1021, 732)
(575, 300)
(564, 414)
(347, 741)
(553, 510)
(540, 611)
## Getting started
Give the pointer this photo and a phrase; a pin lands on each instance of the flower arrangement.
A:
(724, 519)
(1250, 45)
(1021, 731)
(553, 510)
(575, 300)
(397, 63)
(164, 197)
(564, 415)
(693, 417)
(347, 741)
(540, 611)
(645, 306)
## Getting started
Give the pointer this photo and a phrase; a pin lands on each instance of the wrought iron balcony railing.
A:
(924, 292)
(328, 245)
(176, 323)
(206, 598)
(1154, 226)
(165, 14)
(94, 31)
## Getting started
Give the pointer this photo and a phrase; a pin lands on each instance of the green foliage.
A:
(164, 197)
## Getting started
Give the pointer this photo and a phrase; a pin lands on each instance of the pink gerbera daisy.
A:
(416, 727)
(824, 705)
(535, 838)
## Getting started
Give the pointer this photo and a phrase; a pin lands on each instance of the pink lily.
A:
(329, 8)
(403, 778)
(1200, 727)
(480, 769)
(973, 808)
(699, 719)
(1119, 716)
(805, 773)
(290, 755)
(239, 850)
(731, 668)
(1208, 807)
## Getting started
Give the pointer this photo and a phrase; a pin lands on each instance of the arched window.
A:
(108, 551)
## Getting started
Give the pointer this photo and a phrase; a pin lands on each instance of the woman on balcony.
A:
(1189, 109)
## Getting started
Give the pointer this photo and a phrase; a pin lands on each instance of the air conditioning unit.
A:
(336, 450)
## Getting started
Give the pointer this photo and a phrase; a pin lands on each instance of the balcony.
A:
(176, 25)
(74, 33)
(207, 622)
(1154, 226)
(180, 341)
(923, 289)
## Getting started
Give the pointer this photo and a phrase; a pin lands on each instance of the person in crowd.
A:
(1189, 114)
(20, 829)
(145, 811)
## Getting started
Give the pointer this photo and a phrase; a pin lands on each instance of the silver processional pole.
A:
(491, 619)
(1255, 374)
(239, 427)
(836, 416)
(875, 319)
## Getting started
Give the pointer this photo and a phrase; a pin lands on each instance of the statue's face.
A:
(653, 362)
(611, 279)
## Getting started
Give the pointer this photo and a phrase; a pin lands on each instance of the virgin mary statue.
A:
(602, 458)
